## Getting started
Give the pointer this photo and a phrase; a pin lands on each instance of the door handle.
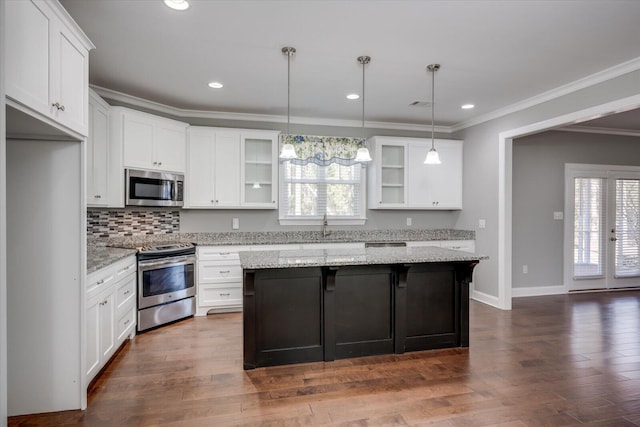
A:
(613, 239)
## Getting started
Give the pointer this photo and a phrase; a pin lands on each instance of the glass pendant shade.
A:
(432, 158)
(288, 152)
(363, 155)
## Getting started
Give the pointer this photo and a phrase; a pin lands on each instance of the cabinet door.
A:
(138, 142)
(98, 156)
(392, 173)
(259, 171)
(107, 333)
(170, 148)
(435, 186)
(93, 342)
(226, 179)
(69, 79)
(446, 182)
(200, 171)
(27, 34)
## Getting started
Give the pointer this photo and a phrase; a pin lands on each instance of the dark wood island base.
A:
(310, 314)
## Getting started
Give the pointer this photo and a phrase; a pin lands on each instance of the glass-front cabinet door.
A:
(260, 168)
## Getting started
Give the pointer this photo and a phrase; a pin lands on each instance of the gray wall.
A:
(538, 191)
(481, 160)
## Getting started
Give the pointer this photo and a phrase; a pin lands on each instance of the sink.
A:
(385, 244)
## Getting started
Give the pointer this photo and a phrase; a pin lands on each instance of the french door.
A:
(602, 227)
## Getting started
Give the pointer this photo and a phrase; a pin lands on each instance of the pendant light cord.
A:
(364, 63)
(288, 93)
(433, 108)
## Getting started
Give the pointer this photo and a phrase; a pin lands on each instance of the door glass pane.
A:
(588, 226)
(627, 255)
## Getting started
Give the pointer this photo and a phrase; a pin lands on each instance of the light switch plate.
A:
(409, 222)
(482, 223)
(558, 215)
(235, 223)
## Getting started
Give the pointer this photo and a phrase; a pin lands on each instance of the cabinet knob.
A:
(127, 322)
(97, 196)
(58, 106)
(159, 163)
(127, 292)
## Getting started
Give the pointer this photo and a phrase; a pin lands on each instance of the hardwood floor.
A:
(551, 361)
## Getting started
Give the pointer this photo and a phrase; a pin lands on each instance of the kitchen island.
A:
(314, 305)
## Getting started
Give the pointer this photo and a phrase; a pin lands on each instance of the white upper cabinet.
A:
(213, 179)
(47, 63)
(151, 142)
(231, 168)
(260, 169)
(98, 152)
(399, 179)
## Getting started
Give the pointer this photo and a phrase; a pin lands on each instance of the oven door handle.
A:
(175, 261)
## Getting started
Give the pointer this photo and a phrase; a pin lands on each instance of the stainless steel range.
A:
(166, 284)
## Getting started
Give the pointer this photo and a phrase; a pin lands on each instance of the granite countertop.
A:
(286, 237)
(102, 256)
(361, 256)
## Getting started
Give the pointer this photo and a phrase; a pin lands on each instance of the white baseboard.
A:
(484, 298)
(536, 291)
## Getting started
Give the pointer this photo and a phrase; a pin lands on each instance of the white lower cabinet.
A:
(110, 312)
(219, 279)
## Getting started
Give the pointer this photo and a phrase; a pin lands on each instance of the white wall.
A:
(3, 236)
(45, 274)
(486, 162)
(538, 191)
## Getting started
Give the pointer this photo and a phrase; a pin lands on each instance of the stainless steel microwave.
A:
(150, 188)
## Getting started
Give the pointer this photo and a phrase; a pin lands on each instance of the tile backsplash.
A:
(131, 222)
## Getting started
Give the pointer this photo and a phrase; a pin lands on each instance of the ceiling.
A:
(493, 53)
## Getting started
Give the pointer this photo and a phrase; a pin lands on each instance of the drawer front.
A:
(283, 247)
(213, 272)
(129, 266)
(126, 323)
(220, 253)
(211, 296)
(100, 280)
(351, 245)
(422, 244)
(126, 291)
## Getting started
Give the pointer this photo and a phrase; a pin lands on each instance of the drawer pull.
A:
(225, 295)
(225, 253)
(100, 282)
(127, 322)
(225, 271)
(127, 292)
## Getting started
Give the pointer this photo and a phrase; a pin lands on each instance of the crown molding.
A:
(600, 130)
(585, 82)
(220, 115)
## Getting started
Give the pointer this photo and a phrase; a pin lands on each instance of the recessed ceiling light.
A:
(467, 106)
(353, 96)
(215, 85)
(177, 4)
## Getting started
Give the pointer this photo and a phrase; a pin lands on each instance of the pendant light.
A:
(432, 156)
(288, 152)
(363, 152)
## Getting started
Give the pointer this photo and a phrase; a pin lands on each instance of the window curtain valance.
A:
(323, 150)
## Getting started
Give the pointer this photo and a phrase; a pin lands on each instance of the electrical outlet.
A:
(235, 223)
(482, 223)
(558, 215)
(409, 222)
(525, 269)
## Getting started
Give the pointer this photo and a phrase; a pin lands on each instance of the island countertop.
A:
(360, 256)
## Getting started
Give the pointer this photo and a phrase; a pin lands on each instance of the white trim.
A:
(537, 291)
(601, 130)
(3, 232)
(591, 80)
(505, 143)
(221, 115)
(485, 298)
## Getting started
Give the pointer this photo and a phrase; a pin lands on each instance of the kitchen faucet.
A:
(325, 223)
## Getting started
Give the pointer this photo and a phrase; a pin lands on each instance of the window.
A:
(313, 187)
(589, 224)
